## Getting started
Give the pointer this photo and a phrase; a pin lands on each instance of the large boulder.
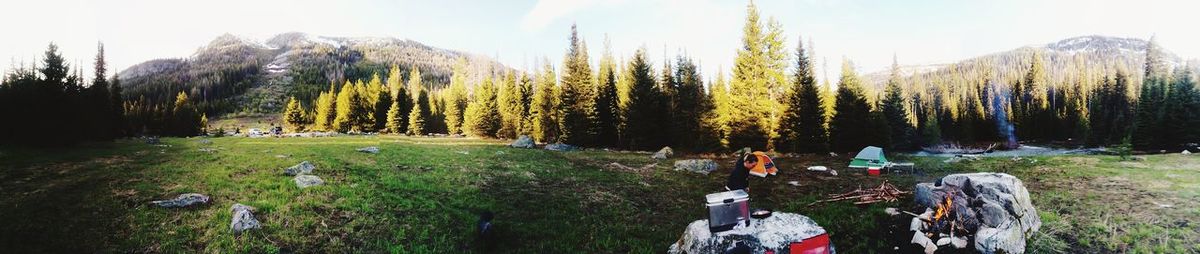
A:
(663, 153)
(303, 168)
(703, 166)
(996, 203)
(305, 181)
(561, 147)
(183, 200)
(243, 219)
(774, 233)
(522, 142)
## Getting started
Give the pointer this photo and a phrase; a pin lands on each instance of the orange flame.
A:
(943, 209)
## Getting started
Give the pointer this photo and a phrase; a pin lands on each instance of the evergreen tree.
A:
(326, 110)
(645, 128)
(1148, 130)
(416, 118)
(186, 120)
(293, 115)
(690, 103)
(363, 114)
(483, 118)
(1182, 111)
(395, 121)
(345, 105)
(606, 122)
(544, 105)
(894, 114)
(752, 111)
(574, 109)
(99, 106)
(509, 103)
(119, 127)
(456, 98)
(802, 126)
(381, 100)
(851, 127)
(719, 92)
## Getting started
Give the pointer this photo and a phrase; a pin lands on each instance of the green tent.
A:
(870, 157)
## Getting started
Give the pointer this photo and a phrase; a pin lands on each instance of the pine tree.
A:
(117, 105)
(544, 105)
(894, 114)
(456, 98)
(802, 126)
(851, 126)
(483, 118)
(645, 128)
(395, 120)
(1148, 130)
(363, 114)
(326, 110)
(1182, 111)
(719, 92)
(293, 115)
(187, 122)
(509, 103)
(416, 118)
(98, 102)
(606, 122)
(574, 109)
(380, 100)
(752, 111)
(690, 103)
(345, 105)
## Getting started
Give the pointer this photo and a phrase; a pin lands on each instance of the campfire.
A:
(985, 210)
(941, 227)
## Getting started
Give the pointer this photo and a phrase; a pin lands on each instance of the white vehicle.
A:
(255, 132)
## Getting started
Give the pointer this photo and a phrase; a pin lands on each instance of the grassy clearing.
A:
(422, 195)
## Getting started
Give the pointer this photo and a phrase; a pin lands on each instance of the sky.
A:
(521, 33)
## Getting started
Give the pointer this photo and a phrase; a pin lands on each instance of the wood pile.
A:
(886, 192)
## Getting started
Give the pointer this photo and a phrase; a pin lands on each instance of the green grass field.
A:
(422, 195)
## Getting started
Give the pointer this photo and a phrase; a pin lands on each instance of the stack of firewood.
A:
(885, 192)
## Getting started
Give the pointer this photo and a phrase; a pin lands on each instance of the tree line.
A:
(771, 100)
(51, 104)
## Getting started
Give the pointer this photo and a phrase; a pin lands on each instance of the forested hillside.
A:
(237, 75)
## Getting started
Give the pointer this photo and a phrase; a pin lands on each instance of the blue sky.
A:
(520, 33)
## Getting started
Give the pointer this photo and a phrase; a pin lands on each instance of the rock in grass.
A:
(522, 142)
(369, 149)
(772, 233)
(703, 166)
(561, 147)
(183, 200)
(303, 168)
(663, 153)
(243, 219)
(305, 181)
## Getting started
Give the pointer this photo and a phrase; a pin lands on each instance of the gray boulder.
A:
(303, 168)
(561, 147)
(243, 219)
(999, 205)
(305, 181)
(522, 142)
(369, 149)
(183, 200)
(663, 153)
(703, 166)
(774, 233)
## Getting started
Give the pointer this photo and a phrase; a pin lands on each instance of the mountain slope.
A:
(233, 74)
(1066, 61)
